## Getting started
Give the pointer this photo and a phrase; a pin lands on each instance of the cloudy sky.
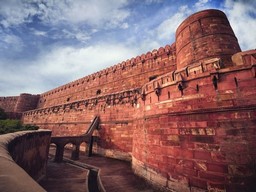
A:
(48, 43)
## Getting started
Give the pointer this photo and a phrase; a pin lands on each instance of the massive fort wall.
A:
(184, 114)
(127, 75)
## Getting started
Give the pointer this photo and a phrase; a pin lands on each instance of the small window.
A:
(152, 77)
(98, 92)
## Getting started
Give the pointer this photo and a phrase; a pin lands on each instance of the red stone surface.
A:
(188, 124)
(15, 105)
(203, 35)
(8, 103)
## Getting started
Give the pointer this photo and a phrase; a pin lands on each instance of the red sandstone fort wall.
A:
(15, 105)
(26, 102)
(192, 128)
(201, 139)
(116, 115)
(204, 35)
(8, 103)
(127, 75)
(67, 110)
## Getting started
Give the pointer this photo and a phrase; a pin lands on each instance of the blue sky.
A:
(47, 43)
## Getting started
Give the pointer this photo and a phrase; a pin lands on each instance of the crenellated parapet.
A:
(202, 69)
(245, 58)
(128, 74)
(120, 98)
(207, 68)
(158, 56)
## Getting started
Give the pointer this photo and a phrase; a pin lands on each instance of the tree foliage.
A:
(10, 126)
(3, 115)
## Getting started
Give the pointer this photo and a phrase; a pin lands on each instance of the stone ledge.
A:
(13, 177)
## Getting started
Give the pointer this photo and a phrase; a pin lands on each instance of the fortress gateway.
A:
(183, 114)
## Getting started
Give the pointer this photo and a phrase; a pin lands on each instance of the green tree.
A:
(3, 115)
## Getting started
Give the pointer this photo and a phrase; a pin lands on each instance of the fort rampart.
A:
(20, 152)
(183, 114)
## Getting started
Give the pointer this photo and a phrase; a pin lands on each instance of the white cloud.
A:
(82, 20)
(10, 42)
(153, 1)
(124, 26)
(18, 79)
(111, 13)
(73, 33)
(97, 12)
(201, 4)
(73, 62)
(60, 65)
(14, 12)
(166, 30)
(39, 33)
(240, 14)
(82, 37)
(11, 39)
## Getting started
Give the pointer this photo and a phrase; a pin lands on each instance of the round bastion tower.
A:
(204, 35)
(26, 102)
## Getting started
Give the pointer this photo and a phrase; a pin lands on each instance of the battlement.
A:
(129, 74)
(156, 56)
(209, 68)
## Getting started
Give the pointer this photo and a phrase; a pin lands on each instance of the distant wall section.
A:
(15, 105)
(26, 102)
(8, 103)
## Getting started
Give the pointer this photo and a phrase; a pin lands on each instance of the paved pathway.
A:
(116, 176)
(64, 177)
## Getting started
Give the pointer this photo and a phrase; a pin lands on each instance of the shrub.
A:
(9, 126)
(3, 115)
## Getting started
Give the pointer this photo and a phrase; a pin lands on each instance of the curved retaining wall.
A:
(26, 150)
